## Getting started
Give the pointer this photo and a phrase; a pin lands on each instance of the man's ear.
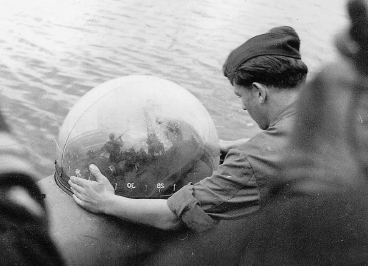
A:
(260, 91)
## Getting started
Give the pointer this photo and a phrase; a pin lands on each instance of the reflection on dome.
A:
(149, 136)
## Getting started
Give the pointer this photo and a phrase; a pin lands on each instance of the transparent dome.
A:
(148, 136)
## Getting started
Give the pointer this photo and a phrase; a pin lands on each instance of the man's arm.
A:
(99, 197)
(226, 145)
(231, 192)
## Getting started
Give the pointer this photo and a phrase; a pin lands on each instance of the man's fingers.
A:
(97, 174)
(76, 187)
(78, 201)
(79, 181)
(84, 204)
(77, 193)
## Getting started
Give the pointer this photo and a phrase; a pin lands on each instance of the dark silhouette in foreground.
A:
(24, 235)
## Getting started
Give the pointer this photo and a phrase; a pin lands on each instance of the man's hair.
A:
(270, 70)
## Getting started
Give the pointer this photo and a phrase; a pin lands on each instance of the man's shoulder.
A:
(269, 142)
(272, 136)
(264, 146)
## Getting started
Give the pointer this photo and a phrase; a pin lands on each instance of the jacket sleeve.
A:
(231, 192)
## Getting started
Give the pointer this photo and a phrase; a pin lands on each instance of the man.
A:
(266, 72)
(24, 236)
(319, 210)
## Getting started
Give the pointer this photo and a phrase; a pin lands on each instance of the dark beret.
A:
(281, 41)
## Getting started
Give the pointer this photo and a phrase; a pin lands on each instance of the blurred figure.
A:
(319, 215)
(24, 236)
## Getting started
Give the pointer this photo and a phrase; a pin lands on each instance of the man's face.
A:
(250, 99)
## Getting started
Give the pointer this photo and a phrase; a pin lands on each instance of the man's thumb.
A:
(96, 173)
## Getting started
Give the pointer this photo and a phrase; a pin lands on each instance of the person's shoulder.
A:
(267, 143)
(243, 151)
(272, 134)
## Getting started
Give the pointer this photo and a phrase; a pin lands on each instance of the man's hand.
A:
(92, 195)
(99, 197)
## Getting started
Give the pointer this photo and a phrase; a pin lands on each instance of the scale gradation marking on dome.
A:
(148, 135)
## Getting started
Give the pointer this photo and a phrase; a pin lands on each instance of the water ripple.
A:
(55, 51)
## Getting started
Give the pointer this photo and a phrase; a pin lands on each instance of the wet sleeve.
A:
(231, 192)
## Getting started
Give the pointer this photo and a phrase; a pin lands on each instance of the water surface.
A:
(52, 52)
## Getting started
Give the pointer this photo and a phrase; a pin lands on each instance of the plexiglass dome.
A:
(148, 136)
